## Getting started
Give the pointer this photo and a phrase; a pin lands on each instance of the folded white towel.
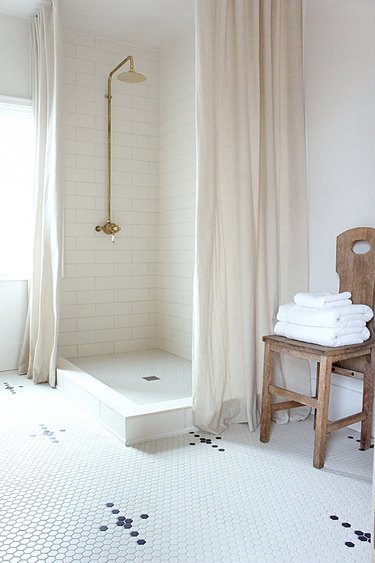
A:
(323, 336)
(323, 299)
(339, 317)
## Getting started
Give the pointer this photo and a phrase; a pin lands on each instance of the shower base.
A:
(136, 395)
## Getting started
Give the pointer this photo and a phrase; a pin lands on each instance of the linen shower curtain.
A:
(38, 356)
(251, 222)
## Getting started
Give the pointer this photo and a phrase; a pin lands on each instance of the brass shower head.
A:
(131, 76)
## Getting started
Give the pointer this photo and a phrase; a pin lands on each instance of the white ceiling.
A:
(148, 23)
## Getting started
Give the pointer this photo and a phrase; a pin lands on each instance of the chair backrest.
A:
(357, 271)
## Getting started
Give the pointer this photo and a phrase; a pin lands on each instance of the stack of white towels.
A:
(324, 318)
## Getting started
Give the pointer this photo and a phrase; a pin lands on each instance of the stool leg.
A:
(367, 400)
(322, 412)
(265, 422)
(316, 388)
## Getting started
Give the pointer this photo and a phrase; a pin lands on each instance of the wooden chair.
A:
(357, 274)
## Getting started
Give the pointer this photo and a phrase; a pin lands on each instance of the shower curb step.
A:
(128, 421)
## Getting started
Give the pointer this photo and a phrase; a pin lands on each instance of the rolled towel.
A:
(321, 300)
(323, 336)
(340, 317)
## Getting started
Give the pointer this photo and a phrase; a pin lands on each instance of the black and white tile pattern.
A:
(71, 492)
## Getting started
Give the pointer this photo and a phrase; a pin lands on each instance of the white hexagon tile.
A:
(71, 492)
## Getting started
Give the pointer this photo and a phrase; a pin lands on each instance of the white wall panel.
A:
(15, 81)
(340, 116)
(13, 307)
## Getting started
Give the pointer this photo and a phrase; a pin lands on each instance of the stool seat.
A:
(306, 349)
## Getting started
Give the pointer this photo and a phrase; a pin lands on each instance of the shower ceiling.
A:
(147, 23)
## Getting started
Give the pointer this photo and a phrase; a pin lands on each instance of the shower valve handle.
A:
(108, 228)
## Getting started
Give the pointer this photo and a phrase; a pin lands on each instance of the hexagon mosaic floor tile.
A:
(71, 492)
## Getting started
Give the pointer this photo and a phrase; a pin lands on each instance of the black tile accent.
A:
(360, 535)
(124, 522)
(9, 388)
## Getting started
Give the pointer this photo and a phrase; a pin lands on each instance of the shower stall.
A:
(126, 306)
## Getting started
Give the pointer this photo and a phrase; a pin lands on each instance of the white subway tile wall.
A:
(135, 293)
(176, 196)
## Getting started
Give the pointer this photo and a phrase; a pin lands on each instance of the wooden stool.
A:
(357, 275)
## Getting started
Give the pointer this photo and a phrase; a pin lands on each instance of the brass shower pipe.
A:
(131, 76)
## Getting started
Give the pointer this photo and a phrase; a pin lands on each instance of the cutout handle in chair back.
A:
(355, 264)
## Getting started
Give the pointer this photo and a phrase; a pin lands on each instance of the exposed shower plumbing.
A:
(108, 228)
(133, 77)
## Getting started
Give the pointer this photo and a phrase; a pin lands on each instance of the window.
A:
(16, 187)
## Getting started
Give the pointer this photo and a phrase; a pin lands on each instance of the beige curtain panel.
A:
(38, 356)
(251, 230)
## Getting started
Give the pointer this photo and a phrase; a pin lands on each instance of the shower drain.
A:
(151, 378)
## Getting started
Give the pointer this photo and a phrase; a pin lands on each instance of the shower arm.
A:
(111, 228)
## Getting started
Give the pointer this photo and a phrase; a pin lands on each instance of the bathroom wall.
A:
(135, 293)
(109, 289)
(15, 56)
(176, 195)
(340, 115)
